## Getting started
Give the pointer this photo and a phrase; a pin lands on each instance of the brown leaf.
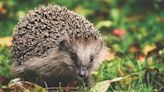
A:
(24, 86)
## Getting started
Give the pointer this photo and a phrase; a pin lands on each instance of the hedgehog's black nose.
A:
(83, 72)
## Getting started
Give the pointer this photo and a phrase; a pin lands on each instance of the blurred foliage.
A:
(133, 29)
(5, 62)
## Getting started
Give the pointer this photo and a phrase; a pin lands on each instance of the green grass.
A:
(126, 67)
(5, 62)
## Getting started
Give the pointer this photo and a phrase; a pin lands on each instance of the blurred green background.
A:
(132, 29)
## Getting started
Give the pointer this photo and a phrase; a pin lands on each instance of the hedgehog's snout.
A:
(83, 72)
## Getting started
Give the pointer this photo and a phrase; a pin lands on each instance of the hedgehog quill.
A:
(55, 45)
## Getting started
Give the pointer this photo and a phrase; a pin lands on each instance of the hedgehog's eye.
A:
(74, 56)
(91, 58)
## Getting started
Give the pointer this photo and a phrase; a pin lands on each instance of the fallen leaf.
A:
(14, 81)
(148, 48)
(104, 85)
(101, 86)
(23, 86)
(5, 41)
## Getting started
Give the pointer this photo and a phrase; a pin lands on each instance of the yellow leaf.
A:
(117, 79)
(5, 41)
(148, 48)
(101, 86)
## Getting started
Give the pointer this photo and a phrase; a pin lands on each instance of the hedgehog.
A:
(54, 45)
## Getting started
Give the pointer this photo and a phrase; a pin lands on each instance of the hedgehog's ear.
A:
(64, 45)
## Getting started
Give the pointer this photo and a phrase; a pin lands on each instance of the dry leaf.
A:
(103, 85)
(23, 86)
(148, 48)
(5, 41)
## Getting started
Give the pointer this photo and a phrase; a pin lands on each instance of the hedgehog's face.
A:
(81, 56)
